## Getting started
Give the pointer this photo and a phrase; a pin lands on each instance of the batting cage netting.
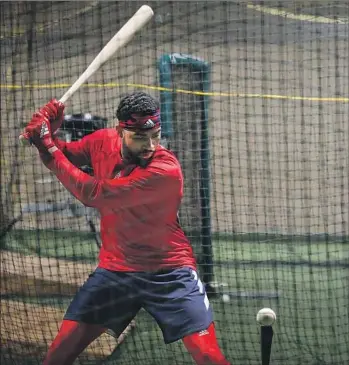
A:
(255, 103)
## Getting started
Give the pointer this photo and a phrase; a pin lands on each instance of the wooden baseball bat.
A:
(121, 38)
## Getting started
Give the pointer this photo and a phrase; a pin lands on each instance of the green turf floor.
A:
(307, 284)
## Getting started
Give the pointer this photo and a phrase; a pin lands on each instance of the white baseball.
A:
(226, 298)
(266, 317)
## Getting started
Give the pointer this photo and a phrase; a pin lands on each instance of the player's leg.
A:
(104, 301)
(178, 302)
(204, 348)
(73, 337)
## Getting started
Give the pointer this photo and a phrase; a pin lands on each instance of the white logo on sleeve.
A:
(44, 130)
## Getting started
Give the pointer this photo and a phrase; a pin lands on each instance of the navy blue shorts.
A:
(176, 299)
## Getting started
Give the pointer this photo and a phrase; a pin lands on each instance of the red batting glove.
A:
(54, 112)
(39, 132)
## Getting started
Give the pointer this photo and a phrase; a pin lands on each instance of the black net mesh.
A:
(278, 165)
(186, 144)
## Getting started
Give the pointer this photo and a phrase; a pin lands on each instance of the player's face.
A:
(141, 144)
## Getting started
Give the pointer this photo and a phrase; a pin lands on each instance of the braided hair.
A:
(138, 103)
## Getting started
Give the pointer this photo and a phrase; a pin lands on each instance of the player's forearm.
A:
(87, 189)
(83, 186)
(73, 151)
(46, 157)
(61, 145)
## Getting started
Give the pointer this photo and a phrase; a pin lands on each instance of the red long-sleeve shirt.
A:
(138, 206)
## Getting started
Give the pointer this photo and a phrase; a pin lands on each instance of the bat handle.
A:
(65, 97)
(24, 139)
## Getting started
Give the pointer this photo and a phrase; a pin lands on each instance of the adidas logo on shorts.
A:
(203, 333)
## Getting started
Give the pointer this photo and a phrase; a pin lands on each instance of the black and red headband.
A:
(146, 122)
